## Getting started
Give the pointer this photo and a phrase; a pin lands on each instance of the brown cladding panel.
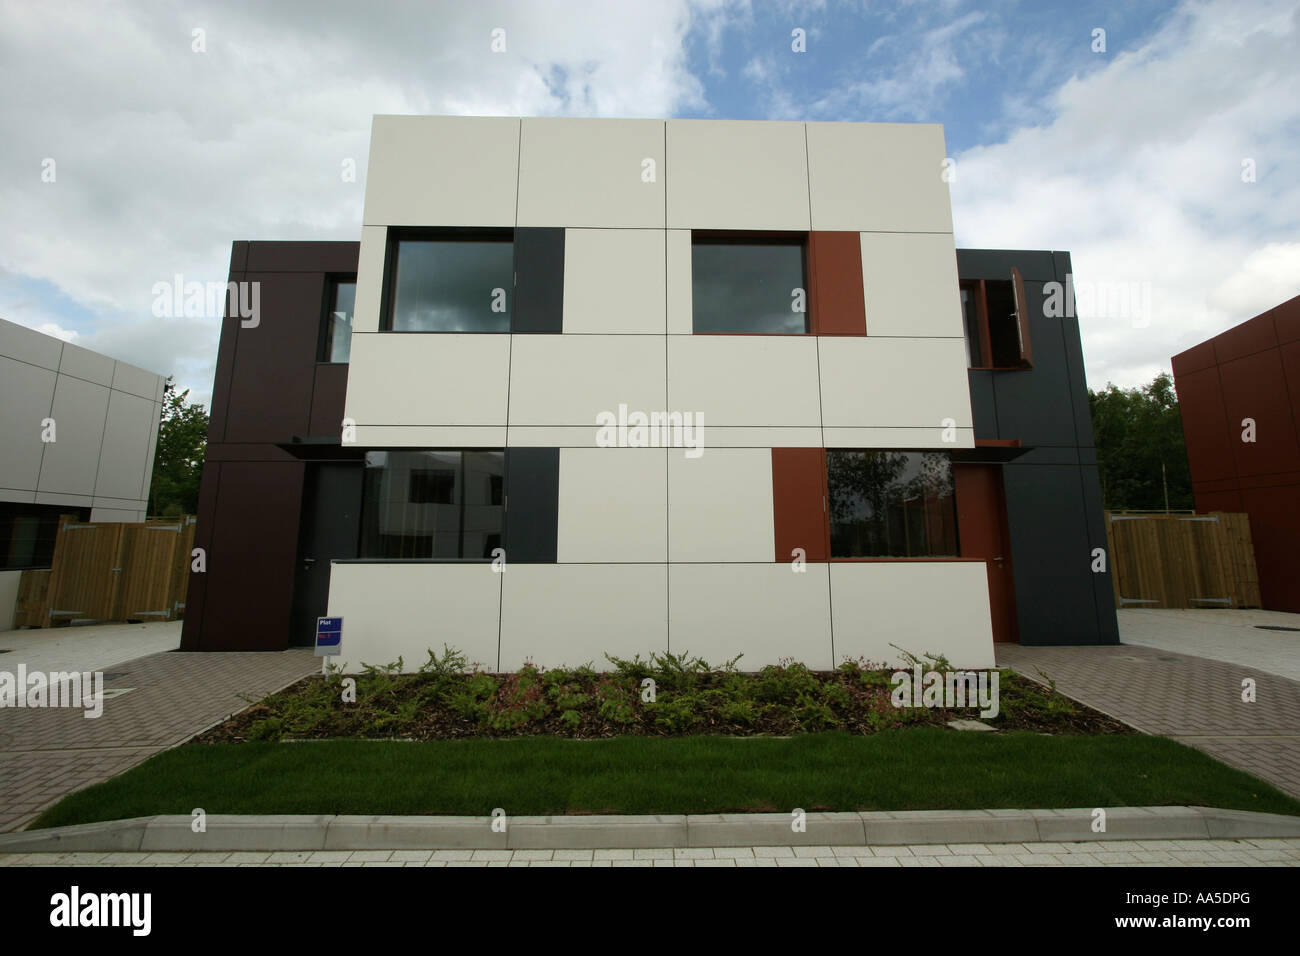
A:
(1205, 426)
(275, 361)
(1254, 335)
(196, 588)
(799, 503)
(1254, 387)
(327, 398)
(253, 557)
(323, 257)
(1291, 369)
(835, 271)
(1274, 530)
(1286, 320)
(1194, 359)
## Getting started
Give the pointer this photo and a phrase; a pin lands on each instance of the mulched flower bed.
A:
(441, 702)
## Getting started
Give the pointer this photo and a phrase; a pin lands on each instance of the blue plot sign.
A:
(329, 636)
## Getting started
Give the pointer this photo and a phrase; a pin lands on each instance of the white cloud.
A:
(164, 156)
(1138, 175)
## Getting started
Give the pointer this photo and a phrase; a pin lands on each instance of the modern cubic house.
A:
(1239, 394)
(625, 386)
(78, 431)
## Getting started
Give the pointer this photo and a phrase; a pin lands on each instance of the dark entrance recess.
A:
(982, 518)
(331, 515)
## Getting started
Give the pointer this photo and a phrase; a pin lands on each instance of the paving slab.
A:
(48, 753)
(1194, 700)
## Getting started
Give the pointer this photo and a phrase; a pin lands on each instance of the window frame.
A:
(735, 237)
(398, 234)
(323, 338)
(978, 289)
(830, 538)
(362, 558)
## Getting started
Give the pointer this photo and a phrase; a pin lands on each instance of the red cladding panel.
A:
(1205, 425)
(1254, 335)
(1194, 359)
(1274, 530)
(835, 270)
(799, 502)
(1254, 387)
(1286, 320)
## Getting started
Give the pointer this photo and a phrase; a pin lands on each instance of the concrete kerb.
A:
(328, 832)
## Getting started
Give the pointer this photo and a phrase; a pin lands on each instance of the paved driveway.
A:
(1194, 700)
(168, 697)
(1245, 637)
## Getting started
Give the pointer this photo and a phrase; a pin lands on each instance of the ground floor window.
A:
(27, 533)
(891, 504)
(433, 504)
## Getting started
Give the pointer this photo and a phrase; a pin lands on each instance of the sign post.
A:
(329, 640)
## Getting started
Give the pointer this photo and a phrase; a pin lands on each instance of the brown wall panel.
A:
(1205, 425)
(275, 361)
(1286, 320)
(1250, 337)
(1275, 529)
(196, 588)
(1194, 359)
(328, 394)
(799, 502)
(835, 270)
(1254, 387)
(311, 257)
(253, 556)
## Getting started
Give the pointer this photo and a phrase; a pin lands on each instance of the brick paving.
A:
(1106, 853)
(47, 753)
(1194, 700)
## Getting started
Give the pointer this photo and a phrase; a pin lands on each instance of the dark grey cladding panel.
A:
(1049, 455)
(539, 281)
(1051, 555)
(532, 504)
(1103, 586)
(1087, 455)
(1034, 405)
(1074, 359)
(997, 264)
(983, 408)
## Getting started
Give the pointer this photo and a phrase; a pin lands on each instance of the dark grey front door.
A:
(331, 514)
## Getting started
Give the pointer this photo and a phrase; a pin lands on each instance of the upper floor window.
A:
(749, 284)
(336, 335)
(432, 504)
(996, 320)
(891, 504)
(450, 282)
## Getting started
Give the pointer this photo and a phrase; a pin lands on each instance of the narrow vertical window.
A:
(336, 338)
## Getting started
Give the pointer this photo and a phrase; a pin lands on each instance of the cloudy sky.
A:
(1165, 163)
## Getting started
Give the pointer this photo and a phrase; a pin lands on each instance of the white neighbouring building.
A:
(103, 417)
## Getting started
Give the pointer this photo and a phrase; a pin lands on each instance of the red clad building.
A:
(1250, 374)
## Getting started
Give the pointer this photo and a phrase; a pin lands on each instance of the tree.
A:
(178, 460)
(1137, 431)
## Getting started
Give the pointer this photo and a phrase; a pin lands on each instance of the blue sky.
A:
(1131, 159)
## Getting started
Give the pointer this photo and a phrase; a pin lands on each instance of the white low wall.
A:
(572, 614)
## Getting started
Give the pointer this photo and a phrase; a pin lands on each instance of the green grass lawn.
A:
(894, 770)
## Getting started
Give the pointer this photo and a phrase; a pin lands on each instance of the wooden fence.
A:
(111, 571)
(1182, 559)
